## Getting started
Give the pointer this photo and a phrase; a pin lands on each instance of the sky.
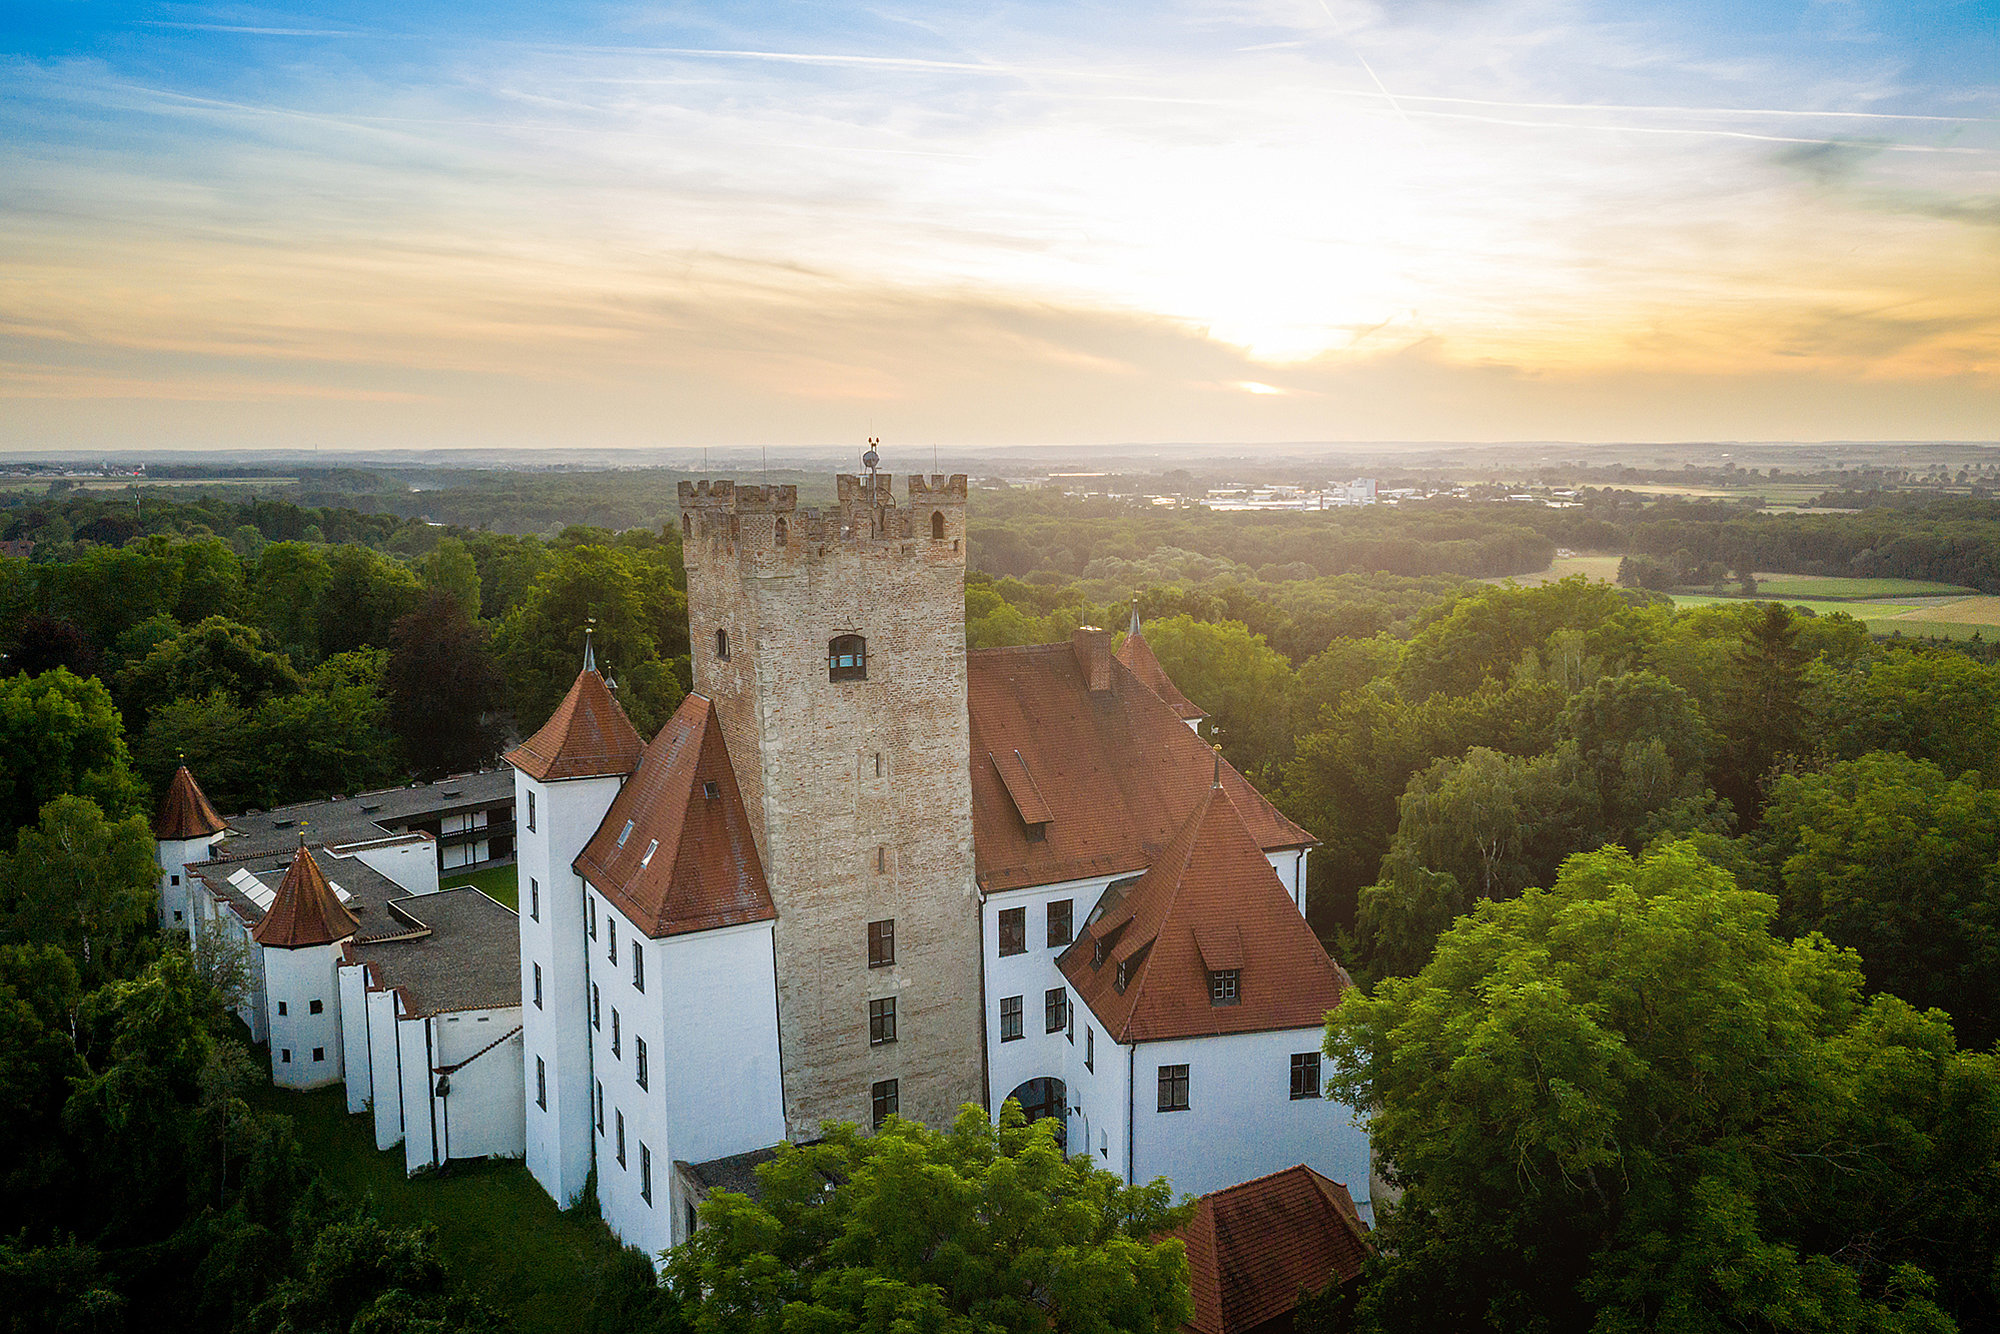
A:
(506, 224)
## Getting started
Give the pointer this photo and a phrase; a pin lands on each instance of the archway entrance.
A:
(1045, 1097)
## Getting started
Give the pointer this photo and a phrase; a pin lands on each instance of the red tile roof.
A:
(305, 911)
(1137, 655)
(1209, 902)
(1118, 769)
(588, 736)
(1251, 1248)
(688, 862)
(185, 812)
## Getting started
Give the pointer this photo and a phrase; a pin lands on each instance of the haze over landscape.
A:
(369, 226)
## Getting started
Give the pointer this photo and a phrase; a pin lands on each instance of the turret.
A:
(301, 935)
(184, 831)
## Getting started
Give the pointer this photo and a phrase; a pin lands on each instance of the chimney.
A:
(1092, 647)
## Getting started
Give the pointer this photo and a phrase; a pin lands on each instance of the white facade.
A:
(554, 821)
(461, 1086)
(302, 995)
(173, 855)
(697, 1020)
(409, 860)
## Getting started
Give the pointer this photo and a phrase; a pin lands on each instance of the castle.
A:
(861, 872)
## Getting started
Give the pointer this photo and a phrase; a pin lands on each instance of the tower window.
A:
(538, 986)
(784, 531)
(847, 658)
(176, 879)
(722, 646)
(541, 1084)
(937, 525)
(881, 1022)
(531, 812)
(639, 1061)
(281, 1007)
(646, 1166)
(534, 899)
(319, 1053)
(619, 1119)
(315, 1007)
(886, 1099)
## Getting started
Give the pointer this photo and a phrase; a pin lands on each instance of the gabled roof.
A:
(1209, 902)
(588, 736)
(1137, 655)
(305, 910)
(185, 812)
(1118, 769)
(671, 857)
(1251, 1248)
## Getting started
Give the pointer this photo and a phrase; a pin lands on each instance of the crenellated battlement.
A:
(726, 518)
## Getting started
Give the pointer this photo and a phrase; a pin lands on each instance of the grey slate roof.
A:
(370, 892)
(469, 957)
(367, 815)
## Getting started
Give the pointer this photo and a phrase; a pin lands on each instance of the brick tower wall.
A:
(843, 846)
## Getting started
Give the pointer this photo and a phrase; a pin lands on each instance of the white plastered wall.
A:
(295, 978)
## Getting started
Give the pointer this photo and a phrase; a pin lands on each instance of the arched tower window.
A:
(847, 658)
(687, 525)
(722, 646)
(783, 528)
(937, 525)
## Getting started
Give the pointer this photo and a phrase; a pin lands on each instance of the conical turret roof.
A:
(185, 812)
(588, 736)
(305, 910)
(1137, 655)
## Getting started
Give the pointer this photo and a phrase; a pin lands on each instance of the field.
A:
(500, 1233)
(1819, 586)
(127, 483)
(499, 882)
(1595, 567)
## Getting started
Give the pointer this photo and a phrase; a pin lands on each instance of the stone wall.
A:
(848, 839)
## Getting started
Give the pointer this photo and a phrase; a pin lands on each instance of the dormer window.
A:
(1124, 976)
(651, 848)
(847, 658)
(626, 832)
(1225, 986)
(711, 789)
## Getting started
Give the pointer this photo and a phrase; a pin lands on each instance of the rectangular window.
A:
(541, 1084)
(281, 1007)
(534, 899)
(1305, 1075)
(611, 935)
(639, 1059)
(177, 914)
(593, 918)
(1089, 1047)
(886, 1099)
(1173, 1088)
(319, 1053)
(638, 967)
(1013, 931)
(882, 943)
(620, 1119)
(538, 986)
(1225, 986)
(616, 1049)
(881, 1021)
(1010, 1018)
(645, 1172)
(531, 812)
(600, 1107)
(174, 879)
(1061, 916)
(596, 1008)
(284, 1056)
(1055, 1006)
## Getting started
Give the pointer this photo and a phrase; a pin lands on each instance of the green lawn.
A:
(501, 1235)
(1814, 586)
(499, 882)
(1870, 613)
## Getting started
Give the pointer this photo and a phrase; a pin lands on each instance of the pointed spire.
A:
(589, 653)
(588, 735)
(184, 812)
(1217, 785)
(306, 910)
(1135, 616)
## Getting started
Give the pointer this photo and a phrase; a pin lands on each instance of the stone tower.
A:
(833, 648)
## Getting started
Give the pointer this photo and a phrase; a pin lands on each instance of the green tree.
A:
(540, 644)
(362, 1276)
(366, 594)
(1624, 1104)
(333, 737)
(216, 655)
(451, 570)
(81, 882)
(1762, 708)
(59, 735)
(212, 735)
(291, 581)
(1244, 684)
(976, 1228)
(442, 686)
(1943, 707)
(1889, 857)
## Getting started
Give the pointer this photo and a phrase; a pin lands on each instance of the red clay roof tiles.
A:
(588, 736)
(1210, 892)
(1137, 655)
(689, 861)
(1117, 767)
(305, 910)
(1251, 1248)
(185, 812)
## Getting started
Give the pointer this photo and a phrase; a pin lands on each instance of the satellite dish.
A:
(871, 459)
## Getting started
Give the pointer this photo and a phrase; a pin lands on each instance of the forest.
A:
(1676, 933)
